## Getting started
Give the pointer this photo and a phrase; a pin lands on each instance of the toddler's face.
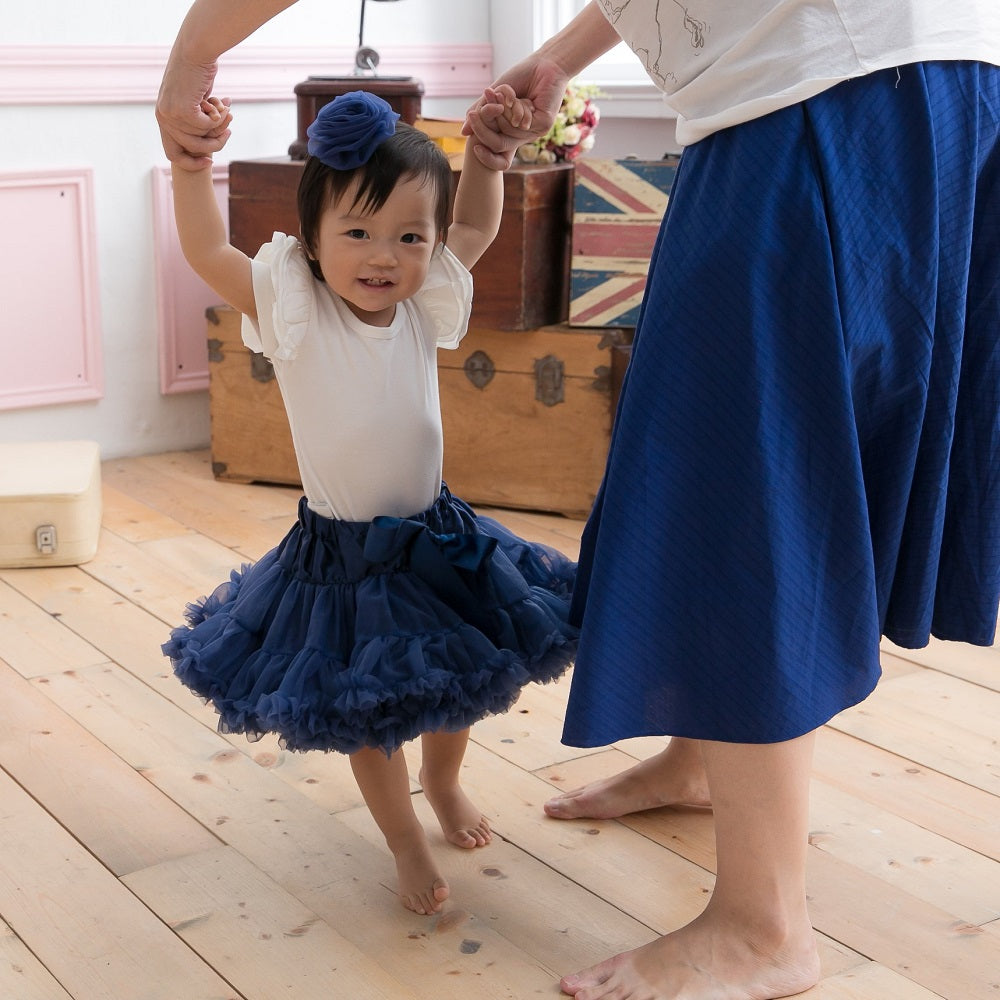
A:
(375, 260)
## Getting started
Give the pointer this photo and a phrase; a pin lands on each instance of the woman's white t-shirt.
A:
(723, 62)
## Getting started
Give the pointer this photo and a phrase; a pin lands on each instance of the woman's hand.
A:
(541, 79)
(189, 134)
(210, 28)
(538, 81)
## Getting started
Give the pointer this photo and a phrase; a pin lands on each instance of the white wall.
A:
(119, 142)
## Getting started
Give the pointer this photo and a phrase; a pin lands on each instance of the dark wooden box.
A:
(403, 94)
(522, 281)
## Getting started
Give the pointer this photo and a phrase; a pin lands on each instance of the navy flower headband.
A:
(347, 130)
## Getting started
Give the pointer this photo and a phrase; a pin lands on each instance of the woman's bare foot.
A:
(421, 887)
(709, 959)
(461, 822)
(673, 777)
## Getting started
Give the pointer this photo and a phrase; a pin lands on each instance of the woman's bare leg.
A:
(385, 785)
(461, 822)
(673, 777)
(754, 940)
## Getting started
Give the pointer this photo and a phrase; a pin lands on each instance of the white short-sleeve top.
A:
(722, 62)
(362, 401)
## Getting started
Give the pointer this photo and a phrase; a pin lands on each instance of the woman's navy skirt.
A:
(807, 449)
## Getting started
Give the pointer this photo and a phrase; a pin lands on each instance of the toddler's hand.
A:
(220, 117)
(500, 122)
(218, 111)
(515, 110)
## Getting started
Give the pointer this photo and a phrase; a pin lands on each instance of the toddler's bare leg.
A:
(754, 938)
(673, 777)
(385, 785)
(461, 822)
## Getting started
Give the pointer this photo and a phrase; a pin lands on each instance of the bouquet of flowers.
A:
(572, 132)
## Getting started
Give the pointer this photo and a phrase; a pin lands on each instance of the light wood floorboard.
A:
(144, 856)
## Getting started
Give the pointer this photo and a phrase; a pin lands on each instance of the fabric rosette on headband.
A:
(347, 130)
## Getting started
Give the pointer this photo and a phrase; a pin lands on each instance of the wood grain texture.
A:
(506, 442)
(142, 853)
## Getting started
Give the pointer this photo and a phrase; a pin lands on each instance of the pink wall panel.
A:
(94, 74)
(182, 297)
(49, 319)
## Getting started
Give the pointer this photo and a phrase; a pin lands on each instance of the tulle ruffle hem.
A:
(351, 635)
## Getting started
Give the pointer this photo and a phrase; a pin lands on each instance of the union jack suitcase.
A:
(50, 503)
(617, 209)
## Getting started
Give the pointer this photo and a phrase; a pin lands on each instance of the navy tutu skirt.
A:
(351, 635)
(807, 450)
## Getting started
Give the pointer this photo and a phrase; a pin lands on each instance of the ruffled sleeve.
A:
(445, 299)
(284, 293)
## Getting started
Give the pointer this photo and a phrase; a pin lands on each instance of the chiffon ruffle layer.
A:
(351, 635)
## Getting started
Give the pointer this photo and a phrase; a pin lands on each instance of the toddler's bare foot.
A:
(421, 887)
(673, 777)
(709, 959)
(461, 822)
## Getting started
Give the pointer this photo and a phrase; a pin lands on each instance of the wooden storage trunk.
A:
(522, 281)
(251, 441)
(617, 209)
(50, 503)
(527, 416)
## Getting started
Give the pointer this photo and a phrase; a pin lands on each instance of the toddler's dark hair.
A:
(408, 153)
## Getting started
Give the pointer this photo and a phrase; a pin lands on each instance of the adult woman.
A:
(806, 451)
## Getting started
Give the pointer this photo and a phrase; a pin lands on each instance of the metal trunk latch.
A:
(261, 369)
(549, 388)
(479, 369)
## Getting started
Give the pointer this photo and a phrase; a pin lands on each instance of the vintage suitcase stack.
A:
(551, 452)
(522, 280)
(50, 503)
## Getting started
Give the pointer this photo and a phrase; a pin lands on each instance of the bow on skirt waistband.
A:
(453, 565)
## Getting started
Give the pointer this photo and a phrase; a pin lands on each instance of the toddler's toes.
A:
(427, 903)
(464, 838)
(473, 836)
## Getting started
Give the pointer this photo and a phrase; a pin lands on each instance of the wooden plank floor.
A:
(145, 857)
